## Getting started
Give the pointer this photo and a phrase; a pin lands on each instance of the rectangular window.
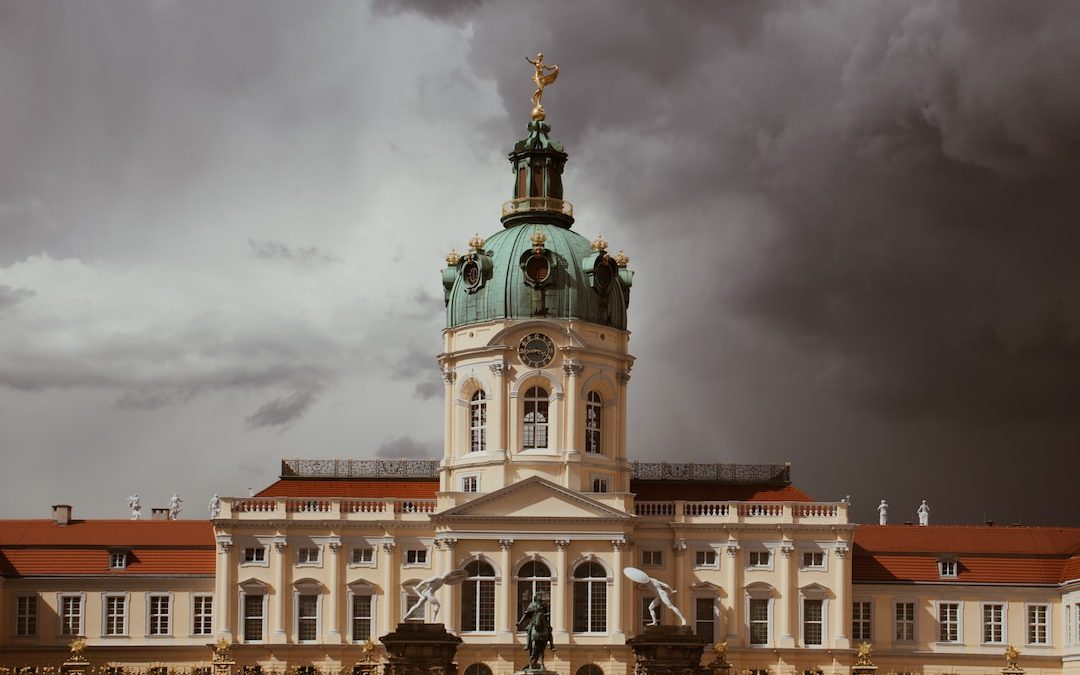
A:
(704, 618)
(600, 484)
(905, 622)
(363, 555)
(759, 621)
(26, 616)
(416, 556)
(1038, 623)
(202, 617)
(253, 618)
(118, 560)
(307, 555)
(71, 614)
(705, 558)
(760, 558)
(255, 554)
(307, 618)
(652, 557)
(813, 559)
(411, 598)
(993, 621)
(115, 615)
(813, 621)
(470, 483)
(860, 621)
(362, 618)
(947, 569)
(949, 622)
(160, 623)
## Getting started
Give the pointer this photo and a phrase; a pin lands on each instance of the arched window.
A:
(533, 577)
(536, 418)
(590, 598)
(478, 669)
(478, 422)
(478, 597)
(593, 406)
(590, 669)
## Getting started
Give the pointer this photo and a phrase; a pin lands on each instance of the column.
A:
(449, 410)
(841, 614)
(503, 596)
(615, 602)
(389, 611)
(571, 371)
(279, 618)
(449, 611)
(223, 587)
(496, 421)
(560, 595)
(735, 592)
(787, 611)
(335, 602)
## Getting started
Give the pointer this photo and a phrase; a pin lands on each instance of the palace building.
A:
(535, 493)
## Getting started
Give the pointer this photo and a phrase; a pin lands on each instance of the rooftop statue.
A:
(924, 514)
(214, 506)
(543, 77)
(134, 505)
(175, 506)
(537, 631)
(883, 513)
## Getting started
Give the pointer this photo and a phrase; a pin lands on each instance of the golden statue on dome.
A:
(543, 77)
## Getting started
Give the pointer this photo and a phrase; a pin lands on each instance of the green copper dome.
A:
(537, 267)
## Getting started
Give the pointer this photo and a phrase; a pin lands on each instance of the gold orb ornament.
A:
(621, 259)
(453, 258)
(477, 242)
(599, 244)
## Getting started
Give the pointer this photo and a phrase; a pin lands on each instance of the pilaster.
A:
(280, 616)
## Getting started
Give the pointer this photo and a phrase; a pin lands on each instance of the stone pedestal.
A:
(76, 665)
(535, 671)
(420, 649)
(668, 650)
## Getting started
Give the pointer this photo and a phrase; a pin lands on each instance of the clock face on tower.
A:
(536, 350)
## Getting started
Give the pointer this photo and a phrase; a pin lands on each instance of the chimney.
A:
(160, 513)
(61, 514)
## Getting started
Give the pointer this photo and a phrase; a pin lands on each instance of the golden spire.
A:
(541, 79)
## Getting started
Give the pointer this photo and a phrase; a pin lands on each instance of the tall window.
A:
(533, 577)
(704, 618)
(478, 597)
(759, 621)
(536, 418)
(590, 598)
(26, 616)
(71, 614)
(478, 422)
(159, 615)
(993, 623)
(1038, 622)
(253, 618)
(860, 621)
(202, 617)
(905, 622)
(115, 615)
(362, 617)
(593, 407)
(813, 621)
(949, 622)
(307, 618)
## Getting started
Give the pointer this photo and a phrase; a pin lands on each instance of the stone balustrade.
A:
(292, 508)
(687, 511)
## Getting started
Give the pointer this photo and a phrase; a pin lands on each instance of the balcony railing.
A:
(527, 204)
(738, 512)
(299, 508)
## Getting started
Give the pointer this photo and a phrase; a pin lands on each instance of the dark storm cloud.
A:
(304, 255)
(406, 447)
(9, 296)
(282, 411)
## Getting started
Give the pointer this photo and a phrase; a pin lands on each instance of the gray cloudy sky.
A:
(854, 227)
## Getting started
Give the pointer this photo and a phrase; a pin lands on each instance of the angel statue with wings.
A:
(543, 77)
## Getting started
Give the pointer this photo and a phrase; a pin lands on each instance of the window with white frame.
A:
(705, 618)
(904, 622)
(601, 483)
(1038, 624)
(202, 615)
(759, 558)
(652, 557)
(254, 617)
(813, 622)
(159, 615)
(478, 422)
(478, 597)
(993, 623)
(363, 555)
(948, 622)
(118, 560)
(705, 557)
(26, 615)
(590, 598)
(470, 483)
(362, 617)
(307, 617)
(947, 568)
(115, 608)
(759, 621)
(71, 615)
(594, 406)
(416, 556)
(1076, 623)
(813, 560)
(860, 620)
(308, 555)
(533, 577)
(536, 418)
(254, 555)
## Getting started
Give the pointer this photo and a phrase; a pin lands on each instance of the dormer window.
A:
(118, 560)
(947, 568)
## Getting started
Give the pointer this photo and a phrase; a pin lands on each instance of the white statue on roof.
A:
(175, 506)
(134, 505)
(883, 513)
(924, 514)
(214, 506)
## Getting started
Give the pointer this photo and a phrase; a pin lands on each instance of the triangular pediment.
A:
(534, 497)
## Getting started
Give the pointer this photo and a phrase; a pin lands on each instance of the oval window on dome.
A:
(538, 269)
(470, 273)
(603, 276)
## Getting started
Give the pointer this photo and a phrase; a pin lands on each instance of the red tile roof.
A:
(984, 554)
(356, 489)
(649, 490)
(40, 547)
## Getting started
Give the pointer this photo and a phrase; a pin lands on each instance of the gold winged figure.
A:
(543, 77)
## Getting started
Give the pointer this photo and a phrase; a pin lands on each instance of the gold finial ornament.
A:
(538, 238)
(543, 77)
(477, 242)
(621, 259)
(78, 646)
(221, 650)
(599, 244)
(453, 258)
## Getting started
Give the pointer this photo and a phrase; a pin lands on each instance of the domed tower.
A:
(535, 355)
